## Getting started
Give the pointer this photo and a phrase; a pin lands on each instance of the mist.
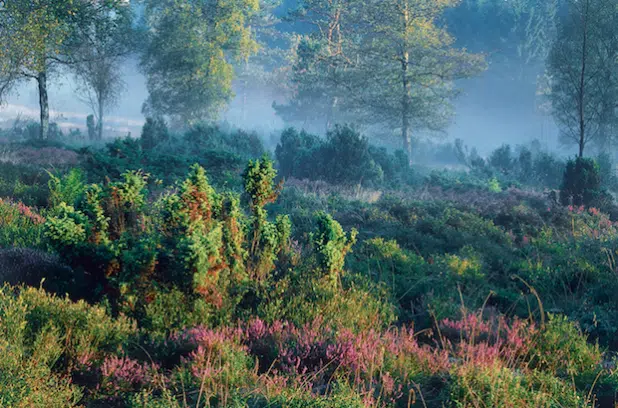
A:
(487, 115)
(496, 107)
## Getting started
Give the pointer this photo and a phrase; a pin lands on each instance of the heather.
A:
(133, 289)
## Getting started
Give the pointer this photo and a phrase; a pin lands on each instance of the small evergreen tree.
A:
(581, 184)
(154, 132)
(331, 245)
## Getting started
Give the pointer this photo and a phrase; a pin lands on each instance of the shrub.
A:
(496, 386)
(26, 376)
(192, 244)
(345, 157)
(44, 340)
(154, 132)
(607, 172)
(501, 159)
(203, 137)
(170, 158)
(332, 245)
(548, 170)
(267, 239)
(68, 188)
(563, 349)
(20, 225)
(295, 154)
(581, 184)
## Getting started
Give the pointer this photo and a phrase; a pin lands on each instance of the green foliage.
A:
(498, 386)
(20, 226)
(523, 165)
(192, 245)
(68, 188)
(267, 239)
(494, 185)
(332, 245)
(563, 349)
(26, 377)
(224, 152)
(581, 184)
(344, 158)
(501, 159)
(154, 132)
(43, 338)
(295, 154)
(218, 35)
(67, 227)
(207, 137)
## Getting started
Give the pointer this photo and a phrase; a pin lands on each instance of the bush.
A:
(193, 247)
(43, 339)
(26, 376)
(581, 184)
(607, 172)
(68, 188)
(203, 137)
(501, 159)
(295, 154)
(168, 157)
(20, 225)
(344, 158)
(154, 132)
(548, 170)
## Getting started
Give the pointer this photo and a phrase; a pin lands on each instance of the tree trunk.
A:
(407, 142)
(582, 85)
(100, 122)
(44, 105)
(405, 109)
(405, 97)
(581, 148)
(331, 114)
(244, 104)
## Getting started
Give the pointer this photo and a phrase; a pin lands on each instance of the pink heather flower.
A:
(123, 372)
(526, 240)
(27, 212)
(256, 329)
(85, 359)
(483, 343)
(388, 384)
(204, 363)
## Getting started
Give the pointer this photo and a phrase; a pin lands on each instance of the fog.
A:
(486, 113)
(493, 108)
(69, 111)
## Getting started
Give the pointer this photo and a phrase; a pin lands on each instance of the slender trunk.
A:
(405, 109)
(244, 103)
(244, 93)
(44, 105)
(581, 148)
(582, 84)
(405, 97)
(331, 114)
(100, 122)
